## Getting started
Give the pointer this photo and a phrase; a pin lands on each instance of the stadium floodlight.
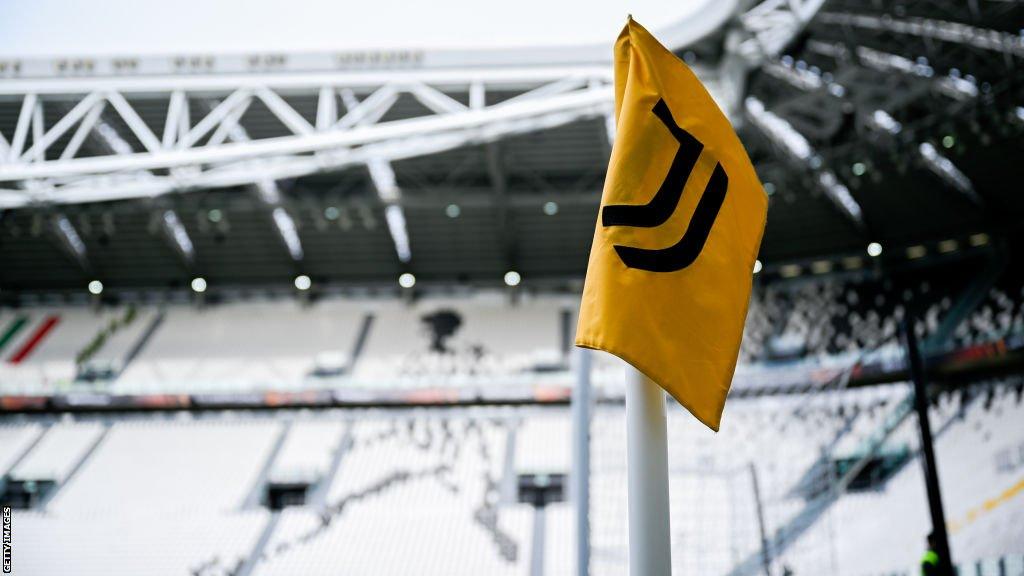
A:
(95, 287)
(302, 282)
(917, 251)
(512, 278)
(790, 271)
(821, 267)
(199, 285)
(874, 249)
(758, 266)
(407, 280)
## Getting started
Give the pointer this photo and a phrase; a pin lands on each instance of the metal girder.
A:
(170, 151)
(70, 242)
(266, 189)
(955, 32)
(177, 236)
(959, 88)
(499, 181)
(357, 137)
(770, 26)
(782, 134)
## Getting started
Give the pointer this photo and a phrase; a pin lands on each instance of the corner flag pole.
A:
(647, 451)
(581, 460)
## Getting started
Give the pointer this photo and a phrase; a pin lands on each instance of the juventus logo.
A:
(660, 208)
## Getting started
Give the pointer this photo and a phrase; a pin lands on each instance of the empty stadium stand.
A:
(442, 483)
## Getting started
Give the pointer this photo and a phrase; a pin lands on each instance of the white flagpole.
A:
(647, 449)
(581, 459)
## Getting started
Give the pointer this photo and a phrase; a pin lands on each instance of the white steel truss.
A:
(768, 27)
(194, 153)
(955, 32)
(170, 150)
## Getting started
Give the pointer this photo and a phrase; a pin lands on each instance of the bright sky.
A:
(138, 27)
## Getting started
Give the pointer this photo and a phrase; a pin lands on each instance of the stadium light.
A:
(874, 249)
(199, 285)
(302, 282)
(95, 287)
(512, 278)
(757, 266)
(821, 267)
(790, 271)
(407, 280)
(917, 251)
(979, 239)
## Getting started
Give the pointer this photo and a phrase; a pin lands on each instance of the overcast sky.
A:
(137, 27)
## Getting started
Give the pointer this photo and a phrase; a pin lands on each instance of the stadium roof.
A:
(54, 27)
(901, 126)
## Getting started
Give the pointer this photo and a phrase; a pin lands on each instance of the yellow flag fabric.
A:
(680, 226)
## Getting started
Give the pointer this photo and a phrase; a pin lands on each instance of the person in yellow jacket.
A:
(930, 562)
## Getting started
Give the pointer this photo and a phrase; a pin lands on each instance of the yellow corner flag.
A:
(681, 220)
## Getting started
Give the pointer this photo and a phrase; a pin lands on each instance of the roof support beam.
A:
(70, 242)
(28, 105)
(177, 236)
(499, 182)
(267, 188)
(134, 122)
(782, 134)
(955, 32)
(284, 112)
(383, 178)
(177, 119)
(326, 109)
(84, 128)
